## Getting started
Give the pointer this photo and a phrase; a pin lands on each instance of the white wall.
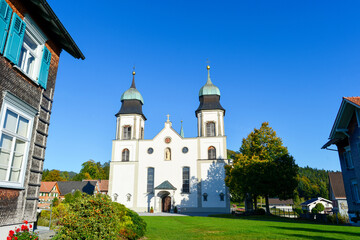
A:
(122, 181)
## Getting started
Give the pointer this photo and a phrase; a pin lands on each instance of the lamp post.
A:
(50, 214)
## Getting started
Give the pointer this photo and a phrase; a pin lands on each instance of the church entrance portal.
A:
(166, 204)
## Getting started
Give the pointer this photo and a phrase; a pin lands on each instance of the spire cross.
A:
(168, 118)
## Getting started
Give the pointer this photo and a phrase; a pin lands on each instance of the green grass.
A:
(252, 227)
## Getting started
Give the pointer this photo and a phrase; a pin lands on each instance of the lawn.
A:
(252, 227)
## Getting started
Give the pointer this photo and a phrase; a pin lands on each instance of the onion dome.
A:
(131, 100)
(209, 96)
(132, 93)
(209, 88)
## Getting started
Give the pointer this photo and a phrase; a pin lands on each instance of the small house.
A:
(281, 204)
(310, 204)
(337, 193)
(48, 191)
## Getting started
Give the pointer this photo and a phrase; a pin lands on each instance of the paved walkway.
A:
(44, 233)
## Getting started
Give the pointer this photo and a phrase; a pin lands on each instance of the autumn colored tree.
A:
(53, 176)
(263, 167)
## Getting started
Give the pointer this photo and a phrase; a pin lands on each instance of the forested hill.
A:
(312, 182)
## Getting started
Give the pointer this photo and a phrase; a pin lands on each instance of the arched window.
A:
(127, 132)
(186, 180)
(211, 152)
(167, 154)
(125, 155)
(210, 129)
(142, 133)
(150, 180)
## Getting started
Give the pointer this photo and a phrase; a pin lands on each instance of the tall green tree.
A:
(53, 176)
(264, 167)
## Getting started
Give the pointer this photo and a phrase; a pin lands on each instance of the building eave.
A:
(54, 27)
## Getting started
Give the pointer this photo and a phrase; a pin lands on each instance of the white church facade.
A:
(170, 170)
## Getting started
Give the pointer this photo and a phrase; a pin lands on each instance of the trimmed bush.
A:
(97, 217)
(320, 207)
(314, 210)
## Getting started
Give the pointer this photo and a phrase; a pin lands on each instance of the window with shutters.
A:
(125, 155)
(186, 180)
(23, 43)
(355, 191)
(210, 129)
(16, 122)
(348, 159)
(211, 152)
(127, 132)
(150, 180)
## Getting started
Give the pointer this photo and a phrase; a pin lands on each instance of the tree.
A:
(264, 167)
(53, 176)
(93, 170)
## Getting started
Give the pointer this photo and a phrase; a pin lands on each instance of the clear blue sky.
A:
(285, 62)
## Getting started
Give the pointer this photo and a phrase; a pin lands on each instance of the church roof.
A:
(132, 93)
(166, 185)
(209, 88)
(131, 100)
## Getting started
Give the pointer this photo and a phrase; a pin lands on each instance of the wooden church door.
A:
(166, 204)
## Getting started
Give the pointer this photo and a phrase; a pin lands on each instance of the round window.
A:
(185, 150)
(167, 140)
(150, 150)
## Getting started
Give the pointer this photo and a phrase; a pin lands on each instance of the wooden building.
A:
(31, 40)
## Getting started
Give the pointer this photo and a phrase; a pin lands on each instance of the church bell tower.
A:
(130, 120)
(210, 113)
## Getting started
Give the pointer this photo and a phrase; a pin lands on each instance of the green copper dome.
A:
(132, 93)
(209, 88)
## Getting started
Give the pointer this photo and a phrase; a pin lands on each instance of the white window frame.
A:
(14, 104)
(127, 133)
(210, 129)
(37, 36)
(355, 192)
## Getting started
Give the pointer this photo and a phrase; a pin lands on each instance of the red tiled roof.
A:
(355, 100)
(47, 186)
(103, 185)
(337, 184)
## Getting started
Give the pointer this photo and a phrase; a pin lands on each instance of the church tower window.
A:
(125, 155)
(127, 132)
(150, 180)
(186, 180)
(167, 154)
(211, 153)
(210, 129)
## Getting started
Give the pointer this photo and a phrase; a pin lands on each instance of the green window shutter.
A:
(15, 39)
(5, 16)
(44, 68)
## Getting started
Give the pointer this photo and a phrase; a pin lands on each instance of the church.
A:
(170, 172)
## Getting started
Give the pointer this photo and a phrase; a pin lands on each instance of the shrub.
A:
(97, 217)
(342, 219)
(314, 210)
(320, 207)
(175, 210)
(298, 211)
(259, 211)
(55, 202)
